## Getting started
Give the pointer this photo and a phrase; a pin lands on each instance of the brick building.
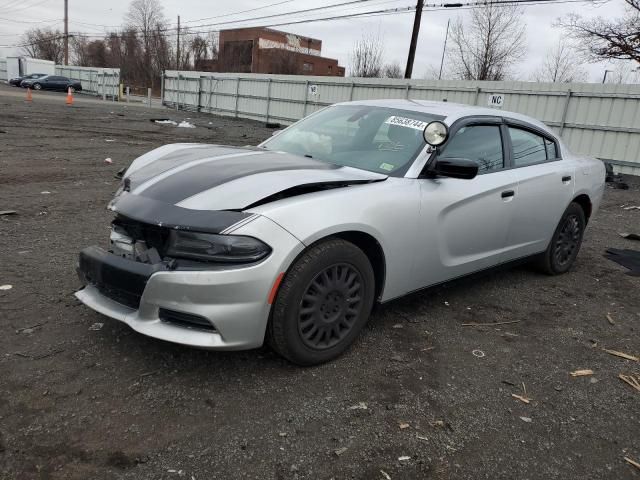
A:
(263, 50)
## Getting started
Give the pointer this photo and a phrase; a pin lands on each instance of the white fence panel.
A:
(3, 70)
(594, 119)
(103, 82)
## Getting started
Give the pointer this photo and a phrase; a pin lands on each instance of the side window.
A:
(528, 148)
(480, 143)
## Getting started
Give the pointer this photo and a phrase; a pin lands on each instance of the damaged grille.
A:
(152, 235)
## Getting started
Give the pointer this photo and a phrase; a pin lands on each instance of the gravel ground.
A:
(418, 396)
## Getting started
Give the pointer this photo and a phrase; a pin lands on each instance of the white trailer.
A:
(19, 66)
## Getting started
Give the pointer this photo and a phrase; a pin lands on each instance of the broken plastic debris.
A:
(185, 124)
(166, 122)
(96, 326)
(478, 353)
(526, 419)
(385, 475)
(359, 406)
(108, 160)
(7, 212)
(340, 451)
(6, 287)
(45, 192)
(582, 373)
(404, 458)
(109, 140)
(403, 426)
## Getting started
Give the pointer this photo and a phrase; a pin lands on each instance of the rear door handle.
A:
(566, 178)
(508, 193)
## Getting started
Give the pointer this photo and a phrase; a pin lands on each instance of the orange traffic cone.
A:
(29, 97)
(69, 97)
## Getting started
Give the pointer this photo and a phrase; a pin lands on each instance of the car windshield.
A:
(378, 139)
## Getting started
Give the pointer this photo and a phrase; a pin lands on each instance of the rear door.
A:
(546, 185)
(464, 223)
(62, 83)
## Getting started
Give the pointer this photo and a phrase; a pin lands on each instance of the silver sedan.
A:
(294, 240)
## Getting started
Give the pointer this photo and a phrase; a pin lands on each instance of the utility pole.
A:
(444, 49)
(66, 32)
(414, 39)
(178, 47)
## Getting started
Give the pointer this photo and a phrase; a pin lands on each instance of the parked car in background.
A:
(222, 247)
(52, 82)
(17, 81)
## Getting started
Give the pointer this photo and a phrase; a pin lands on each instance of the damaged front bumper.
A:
(221, 307)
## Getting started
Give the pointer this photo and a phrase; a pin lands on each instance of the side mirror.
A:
(453, 167)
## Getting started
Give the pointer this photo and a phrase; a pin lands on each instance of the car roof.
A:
(450, 110)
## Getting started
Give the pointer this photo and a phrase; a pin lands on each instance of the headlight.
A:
(210, 247)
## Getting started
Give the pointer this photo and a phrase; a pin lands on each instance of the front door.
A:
(464, 224)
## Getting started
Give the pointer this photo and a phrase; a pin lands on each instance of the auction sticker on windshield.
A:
(406, 122)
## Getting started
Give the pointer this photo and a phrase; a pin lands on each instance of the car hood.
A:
(205, 187)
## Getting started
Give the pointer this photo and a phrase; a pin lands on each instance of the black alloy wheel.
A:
(330, 305)
(323, 302)
(567, 240)
(565, 243)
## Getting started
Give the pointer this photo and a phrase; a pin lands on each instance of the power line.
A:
(242, 11)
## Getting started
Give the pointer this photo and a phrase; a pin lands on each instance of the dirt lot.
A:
(79, 403)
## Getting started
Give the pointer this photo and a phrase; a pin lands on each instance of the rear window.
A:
(528, 148)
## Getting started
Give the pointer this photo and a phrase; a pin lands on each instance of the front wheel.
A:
(565, 243)
(322, 304)
(37, 86)
(72, 89)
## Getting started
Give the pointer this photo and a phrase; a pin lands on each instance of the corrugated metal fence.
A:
(594, 119)
(103, 82)
(3, 69)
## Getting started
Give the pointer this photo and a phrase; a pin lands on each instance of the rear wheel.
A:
(37, 86)
(72, 89)
(322, 304)
(565, 243)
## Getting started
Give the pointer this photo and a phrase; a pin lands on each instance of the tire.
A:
(565, 243)
(323, 303)
(73, 90)
(37, 86)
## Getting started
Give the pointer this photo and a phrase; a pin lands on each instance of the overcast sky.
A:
(337, 37)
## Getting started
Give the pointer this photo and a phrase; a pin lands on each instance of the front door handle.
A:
(508, 193)
(566, 178)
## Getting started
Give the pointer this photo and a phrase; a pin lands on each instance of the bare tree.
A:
(44, 43)
(392, 70)
(560, 66)
(366, 58)
(146, 18)
(488, 46)
(601, 38)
